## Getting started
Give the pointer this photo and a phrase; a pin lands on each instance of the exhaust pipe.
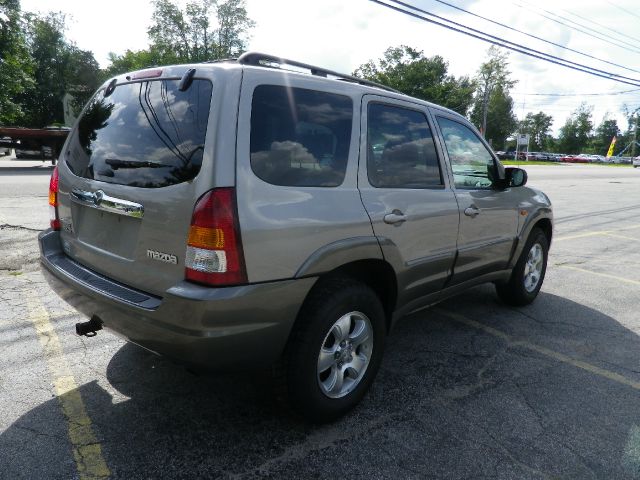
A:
(90, 328)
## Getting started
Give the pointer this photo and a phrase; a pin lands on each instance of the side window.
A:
(400, 149)
(472, 164)
(300, 137)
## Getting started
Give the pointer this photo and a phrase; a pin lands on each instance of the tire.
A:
(528, 274)
(342, 323)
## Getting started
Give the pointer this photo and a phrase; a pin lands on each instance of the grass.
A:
(524, 163)
(518, 163)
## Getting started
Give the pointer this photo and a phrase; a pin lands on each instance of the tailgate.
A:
(126, 193)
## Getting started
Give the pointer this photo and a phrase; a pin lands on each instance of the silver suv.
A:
(264, 212)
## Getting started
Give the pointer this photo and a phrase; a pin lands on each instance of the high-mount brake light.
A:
(146, 74)
(214, 249)
(53, 200)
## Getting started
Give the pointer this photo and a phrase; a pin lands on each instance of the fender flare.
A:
(523, 235)
(341, 252)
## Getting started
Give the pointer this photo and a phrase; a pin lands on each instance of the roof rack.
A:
(257, 59)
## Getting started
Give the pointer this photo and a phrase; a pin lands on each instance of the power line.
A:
(525, 7)
(625, 35)
(632, 45)
(578, 94)
(508, 44)
(535, 36)
(623, 9)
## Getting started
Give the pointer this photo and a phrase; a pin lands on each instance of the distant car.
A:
(636, 162)
(5, 150)
(44, 153)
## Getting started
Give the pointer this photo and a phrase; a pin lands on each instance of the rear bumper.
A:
(219, 328)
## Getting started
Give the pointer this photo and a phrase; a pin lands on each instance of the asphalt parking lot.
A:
(469, 389)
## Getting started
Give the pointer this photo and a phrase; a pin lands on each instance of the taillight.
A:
(214, 248)
(53, 200)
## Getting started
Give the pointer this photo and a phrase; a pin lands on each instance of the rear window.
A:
(145, 134)
(300, 137)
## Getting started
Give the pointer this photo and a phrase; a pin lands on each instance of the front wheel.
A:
(528, 274)
(335, 350)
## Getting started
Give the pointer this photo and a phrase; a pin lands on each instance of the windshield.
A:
(145, 134)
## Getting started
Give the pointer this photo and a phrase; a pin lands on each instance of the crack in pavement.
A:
(7, 226)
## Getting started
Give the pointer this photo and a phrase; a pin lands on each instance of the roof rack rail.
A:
(257, 59)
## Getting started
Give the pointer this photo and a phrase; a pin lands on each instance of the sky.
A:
(343, 34)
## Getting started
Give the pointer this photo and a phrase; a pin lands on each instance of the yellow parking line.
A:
(580, 235)
(624, 237)
(596, 233)
(605, 275)
(512, 341)
(631, 227)
(86, 448)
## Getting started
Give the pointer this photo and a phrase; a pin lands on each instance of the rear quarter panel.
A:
(282, 226)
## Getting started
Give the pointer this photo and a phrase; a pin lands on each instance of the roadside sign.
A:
(523, 138)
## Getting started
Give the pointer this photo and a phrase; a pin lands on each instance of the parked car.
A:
(33, 154)
(234, 215)
(5, 149)
(636, 162)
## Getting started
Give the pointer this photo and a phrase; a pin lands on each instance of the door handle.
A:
(472, 211)
(394, 218)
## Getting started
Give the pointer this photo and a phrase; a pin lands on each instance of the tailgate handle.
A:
(102, 201)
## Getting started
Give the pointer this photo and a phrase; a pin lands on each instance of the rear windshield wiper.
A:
(115, 164)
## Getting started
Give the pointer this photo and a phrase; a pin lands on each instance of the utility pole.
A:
(635, 137)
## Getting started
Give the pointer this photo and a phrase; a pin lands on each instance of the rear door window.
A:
(145, 134)
(300, 137)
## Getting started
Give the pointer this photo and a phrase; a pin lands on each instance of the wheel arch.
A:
(542, 219)
(375, 273)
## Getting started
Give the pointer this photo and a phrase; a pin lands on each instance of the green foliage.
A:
(204, 30)
(38, 66)
(604, 132)
(500, 119)
(59, 67)
(410, 72)
(576, 132)
(16, 66)
(130, 61)
(493, 106)
(538, 126)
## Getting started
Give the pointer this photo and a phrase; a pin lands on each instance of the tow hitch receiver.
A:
(90, 328)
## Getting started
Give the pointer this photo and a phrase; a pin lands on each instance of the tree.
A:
(501, 121)
(130, 61)
(538, 126)
(493, 75)
(576, 132)
(604, 133)
(410, 72)
(204, 30)
(16, 66)
(59, 67)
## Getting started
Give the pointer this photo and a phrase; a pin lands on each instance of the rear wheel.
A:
(335, 351)
(527, 276)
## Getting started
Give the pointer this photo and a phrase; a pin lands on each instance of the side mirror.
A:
(515, 177)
